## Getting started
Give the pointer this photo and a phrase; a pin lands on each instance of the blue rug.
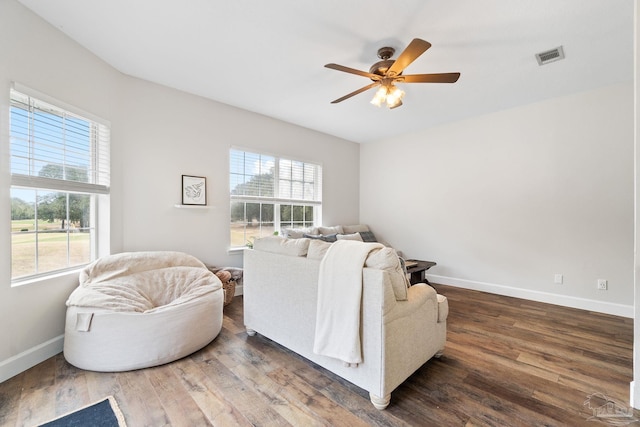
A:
(105, 413)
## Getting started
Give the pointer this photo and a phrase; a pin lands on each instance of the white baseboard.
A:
(563, 300)
(29, 358)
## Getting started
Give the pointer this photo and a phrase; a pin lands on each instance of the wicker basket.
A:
(229, 291)
(229, 276)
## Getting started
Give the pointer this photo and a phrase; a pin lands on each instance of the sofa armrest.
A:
(417, 296)
(443, 308)
(412, 334)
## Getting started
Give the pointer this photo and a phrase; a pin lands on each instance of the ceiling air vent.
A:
(550, 56)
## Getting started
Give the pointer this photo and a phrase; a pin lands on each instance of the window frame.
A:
(97, 185)
(277, 199)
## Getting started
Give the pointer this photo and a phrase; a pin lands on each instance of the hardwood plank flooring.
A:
(508, 362)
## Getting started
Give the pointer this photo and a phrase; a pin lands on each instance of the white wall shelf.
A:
(179, 206)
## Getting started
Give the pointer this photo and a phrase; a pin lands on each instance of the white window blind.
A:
(254, 175)
(56, 149)
(299, 181)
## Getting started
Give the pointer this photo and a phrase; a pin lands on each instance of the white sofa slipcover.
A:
(141, 309)
(398, 336)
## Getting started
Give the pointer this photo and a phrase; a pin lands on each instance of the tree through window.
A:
(268, 193)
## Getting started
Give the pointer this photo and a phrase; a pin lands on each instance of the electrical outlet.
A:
(557, 278)
(602, 284)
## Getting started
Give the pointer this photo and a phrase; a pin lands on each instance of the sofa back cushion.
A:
(387, 259)
(318, 248)
(282, 245)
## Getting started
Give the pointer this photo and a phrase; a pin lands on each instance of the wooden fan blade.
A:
(430, 78)
(362, 89)
(353, 71)
(416, 48)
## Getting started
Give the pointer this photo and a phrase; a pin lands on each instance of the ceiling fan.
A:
(387, 72)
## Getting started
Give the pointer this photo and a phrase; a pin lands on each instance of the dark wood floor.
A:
(508, 362)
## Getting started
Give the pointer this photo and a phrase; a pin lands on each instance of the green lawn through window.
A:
(52, 247)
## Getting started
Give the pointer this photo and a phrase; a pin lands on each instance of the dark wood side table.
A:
(417, 271)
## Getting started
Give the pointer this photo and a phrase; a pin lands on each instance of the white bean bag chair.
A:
(140, 309)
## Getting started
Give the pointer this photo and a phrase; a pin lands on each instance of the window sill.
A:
(46, 277)
(236, 251)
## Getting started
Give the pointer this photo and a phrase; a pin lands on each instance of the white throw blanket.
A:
(339, 301)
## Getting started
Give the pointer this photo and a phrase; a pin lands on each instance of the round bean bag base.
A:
(124, 341)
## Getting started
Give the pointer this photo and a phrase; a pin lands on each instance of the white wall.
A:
(40, 57)
(158, 134)
(194, 139)
(504, 201)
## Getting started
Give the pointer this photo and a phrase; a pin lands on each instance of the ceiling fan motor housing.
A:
(380, 68)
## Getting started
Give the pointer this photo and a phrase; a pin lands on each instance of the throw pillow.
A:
(367, 236)
(330, 230)
(326, 238)
(353, 236)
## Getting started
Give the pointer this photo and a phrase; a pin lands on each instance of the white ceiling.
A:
(268, 56)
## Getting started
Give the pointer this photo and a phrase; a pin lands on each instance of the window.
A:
(269, 193)
(59, 175)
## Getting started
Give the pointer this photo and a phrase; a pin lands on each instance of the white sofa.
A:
(401, 329)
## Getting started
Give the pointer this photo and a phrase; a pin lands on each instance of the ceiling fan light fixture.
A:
(390, 94)
(394, 97)
(396, 105)
(380, 96)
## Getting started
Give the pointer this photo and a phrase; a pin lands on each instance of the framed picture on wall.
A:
(194, 190)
